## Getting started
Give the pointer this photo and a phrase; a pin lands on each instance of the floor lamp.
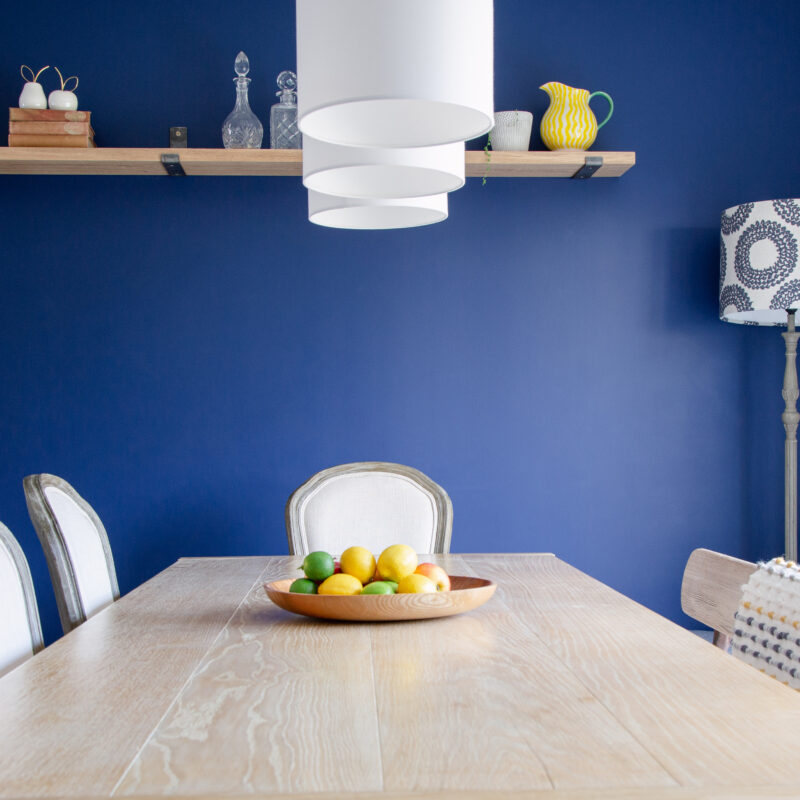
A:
(759, 284)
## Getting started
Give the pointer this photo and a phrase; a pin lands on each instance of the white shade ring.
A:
(395, 73)
(384, 122)
(376, 173)
(343, 212)
(760, 262)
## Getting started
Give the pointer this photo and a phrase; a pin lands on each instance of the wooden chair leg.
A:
(722, 641)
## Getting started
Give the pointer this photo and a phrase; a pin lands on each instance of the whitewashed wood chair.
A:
(372, 504)
(76, 546)
(711, 591)
(20, 629)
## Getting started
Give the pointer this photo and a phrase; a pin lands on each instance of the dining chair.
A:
(373, 504)
(76, 546)
(20, 629)
(711, 591)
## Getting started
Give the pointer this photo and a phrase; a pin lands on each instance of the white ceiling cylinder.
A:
(382, 173)
(345, 212)
(395, 73)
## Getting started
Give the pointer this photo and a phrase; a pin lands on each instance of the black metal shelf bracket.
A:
(172, 164)
(591, 165)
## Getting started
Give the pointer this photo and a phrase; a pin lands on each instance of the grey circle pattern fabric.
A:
(788, 210)
(734, 296)
(788, 296)
(785, 244)
(758, 262)
(732, 222)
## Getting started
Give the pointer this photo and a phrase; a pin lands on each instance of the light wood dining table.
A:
(558, 688)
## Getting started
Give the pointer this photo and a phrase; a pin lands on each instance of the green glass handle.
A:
(610, 103)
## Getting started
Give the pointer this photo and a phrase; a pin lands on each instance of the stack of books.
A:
(46, 127)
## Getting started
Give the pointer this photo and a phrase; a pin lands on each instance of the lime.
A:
(340, 583)
(378, 587)
(318, 565)
(358, 562)
(303, 586)
(393, 584)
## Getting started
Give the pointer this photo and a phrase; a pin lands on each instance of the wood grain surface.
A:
(217, 161)
(558, 687)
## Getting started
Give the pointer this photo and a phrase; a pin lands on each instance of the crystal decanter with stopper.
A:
(241, 128)
(283, 131)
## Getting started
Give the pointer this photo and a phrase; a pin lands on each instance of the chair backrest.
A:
(20, 629)
(712, 588)
(76, 546)
(372, 504)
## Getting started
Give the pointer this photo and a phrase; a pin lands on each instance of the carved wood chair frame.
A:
(21, 563)
(62, 573)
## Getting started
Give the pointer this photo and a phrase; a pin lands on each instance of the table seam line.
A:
(187, 682)
(377, 714)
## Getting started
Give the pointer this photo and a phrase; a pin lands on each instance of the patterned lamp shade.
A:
(759, 273)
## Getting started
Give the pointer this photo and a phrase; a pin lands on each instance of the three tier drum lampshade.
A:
(395, 73)
(388, 92)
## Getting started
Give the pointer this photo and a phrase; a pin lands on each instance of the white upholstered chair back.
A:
(20, 629)
(76, 546)
(372, 504)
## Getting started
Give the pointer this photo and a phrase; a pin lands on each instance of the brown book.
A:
(48, 140)
(47, 115)
(35, 126)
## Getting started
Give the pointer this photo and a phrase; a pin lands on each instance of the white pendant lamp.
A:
(381, 173)
(345, 212)
(395, 73)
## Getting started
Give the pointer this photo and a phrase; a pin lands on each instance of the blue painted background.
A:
(187, 352)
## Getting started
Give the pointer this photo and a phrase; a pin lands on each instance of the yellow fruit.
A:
(340, 584)
(358, 562)
(413, 584)
(397, 561)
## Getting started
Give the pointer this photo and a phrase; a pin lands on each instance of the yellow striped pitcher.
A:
(569, 124)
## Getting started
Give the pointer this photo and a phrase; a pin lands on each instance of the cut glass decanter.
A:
(283, 131)
(241, 128)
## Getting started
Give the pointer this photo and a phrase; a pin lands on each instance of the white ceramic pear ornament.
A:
(32, 95)
(64, 99)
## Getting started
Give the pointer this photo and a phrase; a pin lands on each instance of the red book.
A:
(47, 115)
(35, 126)
(48, 140)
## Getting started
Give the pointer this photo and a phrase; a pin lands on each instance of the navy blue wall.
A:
(186, 352)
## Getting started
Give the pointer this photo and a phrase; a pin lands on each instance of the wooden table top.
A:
(558, 687)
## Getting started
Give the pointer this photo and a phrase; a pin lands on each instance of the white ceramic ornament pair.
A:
(32, 95)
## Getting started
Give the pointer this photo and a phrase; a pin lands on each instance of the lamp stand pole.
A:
(790, 419)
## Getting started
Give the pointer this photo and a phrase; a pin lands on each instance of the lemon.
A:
(318, 565)
(414, 584)
(358, 562)
(397, 561)
(340, 583)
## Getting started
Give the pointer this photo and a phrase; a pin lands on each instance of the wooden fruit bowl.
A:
(464, 595)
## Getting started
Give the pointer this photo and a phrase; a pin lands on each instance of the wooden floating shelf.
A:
(195, 161)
